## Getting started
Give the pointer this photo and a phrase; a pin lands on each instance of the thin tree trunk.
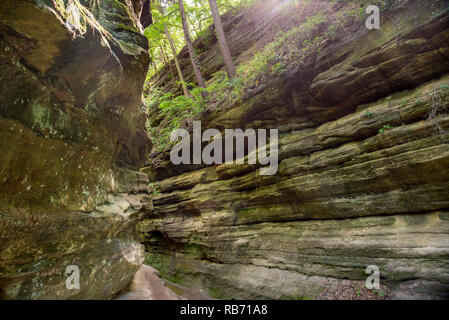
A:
(153, 63)
(193, 58)
(230, 68)
(155, 66)
(173, 49)
(164, 57)
(145, 16)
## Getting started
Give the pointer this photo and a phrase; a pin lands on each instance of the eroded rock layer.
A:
(363, 176)
(72, 138)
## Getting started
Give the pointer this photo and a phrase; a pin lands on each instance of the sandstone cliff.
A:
(72, 139)
(364, 162)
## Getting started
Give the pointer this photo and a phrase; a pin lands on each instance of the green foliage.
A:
(404, 102)
(153, 189)
(380, 293)
(386, 128)
(175, 109)
(444, 87)
(198, 15)
(283, 54)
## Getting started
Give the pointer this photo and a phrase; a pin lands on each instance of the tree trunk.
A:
(154, 66)
(153, 63)
(175, 57)
(164, 57)
(230, 68)
(195, 64)
(145, 16)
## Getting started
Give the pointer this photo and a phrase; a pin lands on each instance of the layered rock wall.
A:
(363, 176)
(73, 137)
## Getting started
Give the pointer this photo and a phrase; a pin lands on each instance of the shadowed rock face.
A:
(71, 137)
(363, 176)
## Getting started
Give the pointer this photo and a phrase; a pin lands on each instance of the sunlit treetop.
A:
(199, 19)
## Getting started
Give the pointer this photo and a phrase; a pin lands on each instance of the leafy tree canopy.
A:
(199, 18)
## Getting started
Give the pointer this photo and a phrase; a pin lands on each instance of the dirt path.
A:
(147, 285)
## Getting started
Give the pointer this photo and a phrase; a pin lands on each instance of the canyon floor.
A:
(147, 285)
